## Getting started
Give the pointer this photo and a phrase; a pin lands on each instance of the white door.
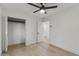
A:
(39, 33)
(43, 31)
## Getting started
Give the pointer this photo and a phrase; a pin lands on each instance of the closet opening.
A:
(16, 32)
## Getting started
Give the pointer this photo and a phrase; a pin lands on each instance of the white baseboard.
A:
(72, 51)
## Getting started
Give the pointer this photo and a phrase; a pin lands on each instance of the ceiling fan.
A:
(43, 8)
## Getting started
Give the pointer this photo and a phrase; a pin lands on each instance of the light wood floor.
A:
(39, 49)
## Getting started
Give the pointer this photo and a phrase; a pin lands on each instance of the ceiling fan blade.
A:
(51, 7)
(34, 5)
(36, 10)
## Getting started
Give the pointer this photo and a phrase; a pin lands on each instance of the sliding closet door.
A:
(4, 33)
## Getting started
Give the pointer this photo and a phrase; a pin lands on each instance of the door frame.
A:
(3, 22)
(6, 41)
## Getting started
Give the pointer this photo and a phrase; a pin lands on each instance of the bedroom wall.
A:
(30, 23)
(64, 32)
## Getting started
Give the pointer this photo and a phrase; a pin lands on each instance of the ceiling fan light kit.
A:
(42, 11)
(43, 8)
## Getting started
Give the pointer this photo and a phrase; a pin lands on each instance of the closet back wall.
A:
(16, 33)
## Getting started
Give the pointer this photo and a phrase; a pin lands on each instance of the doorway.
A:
(43, 31)
(16, 32)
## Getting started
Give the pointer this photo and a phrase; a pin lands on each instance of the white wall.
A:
(65, 29)
(30, 22)
(31, 31)
(16, 33)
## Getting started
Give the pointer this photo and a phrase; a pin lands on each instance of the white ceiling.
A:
(24, 7)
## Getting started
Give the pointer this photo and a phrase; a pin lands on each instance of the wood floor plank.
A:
(39, 49)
